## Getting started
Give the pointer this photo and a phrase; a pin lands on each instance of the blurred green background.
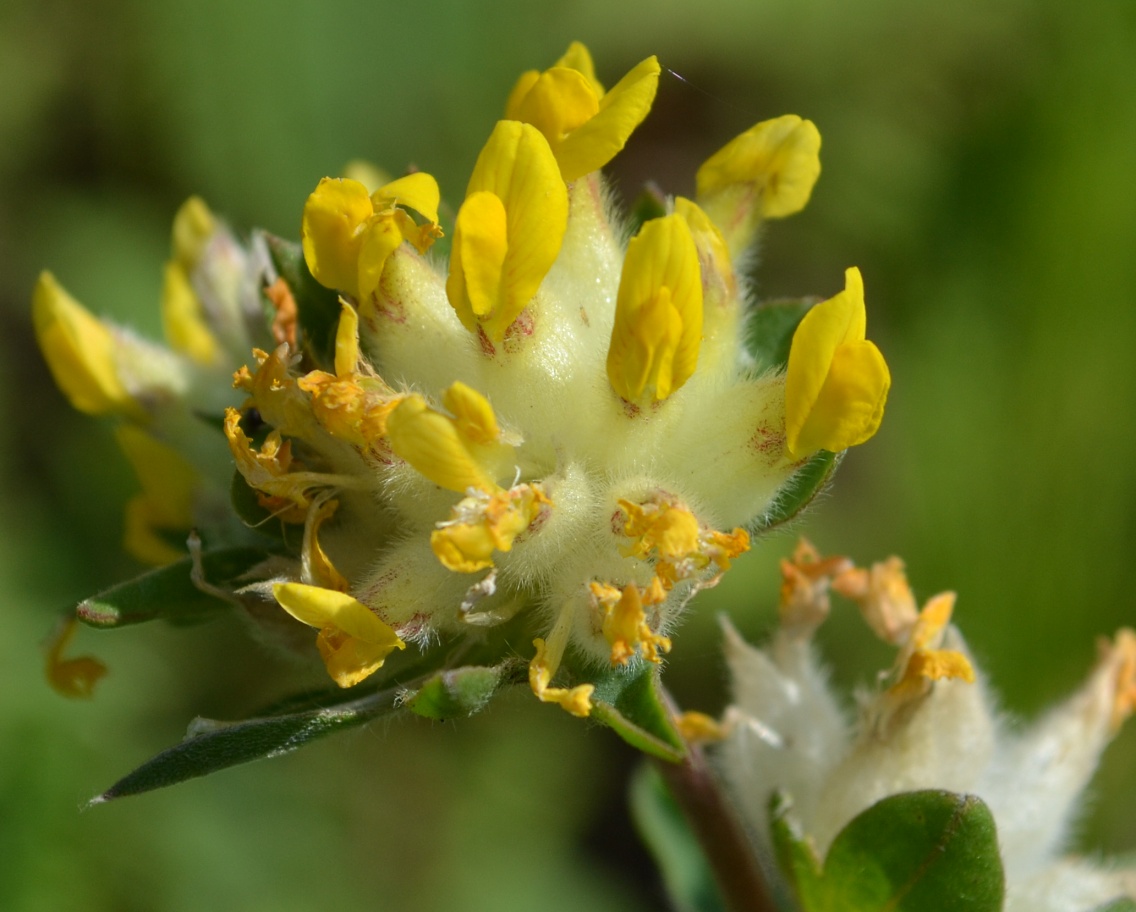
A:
(979, 163)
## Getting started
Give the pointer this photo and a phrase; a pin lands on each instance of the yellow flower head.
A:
(837, 381)
(585, 126)
(348, 233)
(658, 313)
(508, 231)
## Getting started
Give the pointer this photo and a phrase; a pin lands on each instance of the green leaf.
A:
(687, 876)
(461, 691)
(168, 592)
(627, 700)
(928, 851)
(802, 488)
(318, 306)
(1123, 904)
(651, 203)
(770, 328)
(211, 746)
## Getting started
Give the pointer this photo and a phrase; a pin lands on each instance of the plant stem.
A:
(699, 793)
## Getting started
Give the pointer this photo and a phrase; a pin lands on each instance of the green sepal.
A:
(927, 851)
(317, 307)
(801, 489)
(211, 746)
(459, 692)
(661, 825)
(168, 593)
(769, 331)
(1123, 904)
(627, 700)
(254, 516)
(651, 203)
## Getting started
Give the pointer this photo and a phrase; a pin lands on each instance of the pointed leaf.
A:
(796, 855)
(651, 203)
(168, 593)
(809, 480)
(211, 746)
(627, 700)
(1123, 904)
(461, 691)
(770, 328)
(318, 306)
(687, 876)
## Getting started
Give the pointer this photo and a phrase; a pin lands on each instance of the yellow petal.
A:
(579, 58)
(346, 340)
(76, 677)
(430, 442)
(473, 415)
(142, 538)
(837, 383)
(779, 159)
(558, 102)
(335, 215)
(183, 319)
(194, 225)
(481, 245)
(518, 168)
(520, 89)
(80, 351)
(658, 318)
(168, 481)
(417, 191)
(377, 241)
(353, 641)
(595, 143)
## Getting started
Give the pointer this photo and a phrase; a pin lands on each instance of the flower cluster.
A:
(933, 724)
(556, 420)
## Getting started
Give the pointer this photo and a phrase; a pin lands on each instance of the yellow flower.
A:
(658, 313)
(766, 172)
(166, 502)
(348, 233)
(837, 382)
(352, 641)
(81, 352)
(182, 317)
(508, 231)
(585, 127)
(75, 677)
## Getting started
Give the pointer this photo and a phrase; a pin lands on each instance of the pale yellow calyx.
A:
(485, 522)
(433, 444)
(352, 641)
(585, 127)
(348, 233)
(883, 596)
(625, 624)
(920, 661)
(766, 172)
(80, 350)
(805, 580)
(194, 226)
(1122, 653)
(75, 677)
(183, 319)
(837, 381)
(658, 316)
(166, 502)
(508, 231)
(316, 566)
